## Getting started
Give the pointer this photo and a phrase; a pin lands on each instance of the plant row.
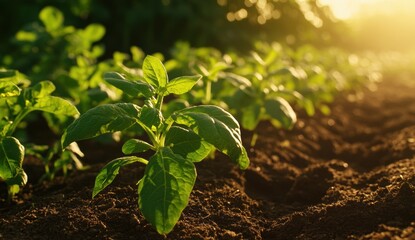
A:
(180, 109)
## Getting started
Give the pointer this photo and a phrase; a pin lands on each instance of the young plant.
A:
(263, 98)
(15, 104)
(178, 140)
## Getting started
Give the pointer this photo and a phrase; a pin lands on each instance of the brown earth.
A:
(350, 175)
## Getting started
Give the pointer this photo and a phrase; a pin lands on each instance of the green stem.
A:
(153, 138)
(208, 94)
(17, 120)
(254, 139)
(167, 127)
(159, 102)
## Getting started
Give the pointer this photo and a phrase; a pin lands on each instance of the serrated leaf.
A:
(108, 173)
(165, 189)
(217, 127)
(132, 88)
(187, 144)
(11, 159)
(55, 105)
(102, 119)
(181, 85)
(154, 72)
(135, 146)
(280, 110)
(52, 18)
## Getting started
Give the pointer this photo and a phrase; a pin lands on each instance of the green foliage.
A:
(178, 139)
(273, 83)
(49, 49)
(16, 102)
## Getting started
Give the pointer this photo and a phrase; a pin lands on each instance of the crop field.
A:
(206, 120)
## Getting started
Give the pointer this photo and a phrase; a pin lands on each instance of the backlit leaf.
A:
(40, 90)
(217, 127)
(55, 105)
(132, 88)
(154, 72)
(251, 116)
(182, 85)
(280, 110)
(52, 18)
(94, 32)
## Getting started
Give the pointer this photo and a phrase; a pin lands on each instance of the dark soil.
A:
(350, 175)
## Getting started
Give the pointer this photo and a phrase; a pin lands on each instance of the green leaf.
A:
(11, 160)
(94, 32)
(7, 75)
(325, 109)
(8, 81)
(237, 80)
(217, 127)
(108, 173)
(9, 90)
(165, 189)
(182, 85)
(218, 67)
(280, 110)
(135, 146)
(187, 144)
(251, 116)
(5, 126)
(41, 89)
(132, 88)
(154, 72)
(151, 117)
(52, 18)
(99, 120)
(308, 106)
(20, 179)
(55, 105)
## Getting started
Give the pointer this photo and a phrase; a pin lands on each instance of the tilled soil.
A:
(350, 175)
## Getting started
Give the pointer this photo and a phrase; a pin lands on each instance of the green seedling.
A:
(15, 103)
(263, 99)
(177, 140)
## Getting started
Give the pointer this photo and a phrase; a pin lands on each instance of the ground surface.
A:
(350, 175)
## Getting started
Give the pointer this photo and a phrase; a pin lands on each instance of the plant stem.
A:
(153, 138)
(164, 132)
(159, 102)
(17, 120)
(254, 139)
(208, 94)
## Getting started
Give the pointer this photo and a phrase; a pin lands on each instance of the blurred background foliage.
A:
(155, 25)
